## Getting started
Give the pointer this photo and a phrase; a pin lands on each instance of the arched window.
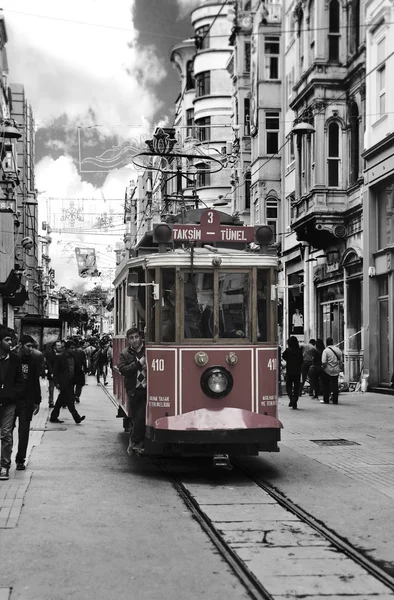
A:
(333, 155)
(334, 30)
(354, 142)
(271, 214)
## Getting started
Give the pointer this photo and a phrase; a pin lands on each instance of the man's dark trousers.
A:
(137, 403)
(65, 398)
(24, 414)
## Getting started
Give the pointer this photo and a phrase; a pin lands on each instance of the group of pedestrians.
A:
(320, 364)
(64, 364)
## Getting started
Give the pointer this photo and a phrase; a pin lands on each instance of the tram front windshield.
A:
(233, 295)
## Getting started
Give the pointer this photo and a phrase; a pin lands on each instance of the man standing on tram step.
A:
(307, 361)
(29, 403)
(11, 387)
(132, 365)
(63, 374)
(331, 361)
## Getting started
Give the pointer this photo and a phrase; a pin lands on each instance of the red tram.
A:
(207, 303)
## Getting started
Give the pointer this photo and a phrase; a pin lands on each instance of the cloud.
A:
(186, 6)
(71, 67)
(62, 192)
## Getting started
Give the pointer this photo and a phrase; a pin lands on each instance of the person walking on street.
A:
(29, 403)
(64, 380)
(100, 362)
(332, 366)
(11, 387)
(307, 361)
(293, 357)
(132, 365)
(50, 355)
(315, 371)
(79, 372)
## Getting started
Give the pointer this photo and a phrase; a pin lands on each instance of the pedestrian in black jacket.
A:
(50, 355)
(79, 373)
(11, 387)
(132, 366)
(29, 403)
(63, 375)
(293, 357)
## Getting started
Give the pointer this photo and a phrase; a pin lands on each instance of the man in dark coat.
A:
(80, 370)
(11, 387)
(29, 403)
(50, 356)
(132, 366)
(63, 375)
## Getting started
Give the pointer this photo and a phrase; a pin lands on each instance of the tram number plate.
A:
(272, 364)
(157, 364)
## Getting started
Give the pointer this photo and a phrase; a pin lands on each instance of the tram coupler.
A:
(223, 461)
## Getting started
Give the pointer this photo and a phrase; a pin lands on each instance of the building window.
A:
(354, 29)
(203, 175)
(312, 30)
(190, 122)
(271, 56)
(354, 143)
(300, 33)
(385, 214)
(333, 155)
(381, 78)
(271, 214)
(289, 87)
(290, 145)
(247, 56)
(334, 31)
(246, 116)
(203, 84)
(202, 37)
(190, 81)
(248, 180)
(272, 132)
(203, 129)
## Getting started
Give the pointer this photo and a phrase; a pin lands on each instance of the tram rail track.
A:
(253, 586)
(336, 541)
(258, 589)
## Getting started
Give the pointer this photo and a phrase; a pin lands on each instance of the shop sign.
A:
(7, 206)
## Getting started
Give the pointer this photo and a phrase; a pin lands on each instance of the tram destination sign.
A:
(210, 229)
(224, 233)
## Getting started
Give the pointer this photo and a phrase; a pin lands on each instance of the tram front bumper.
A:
(222, 426)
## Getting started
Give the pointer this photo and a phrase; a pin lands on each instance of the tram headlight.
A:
(217, 382)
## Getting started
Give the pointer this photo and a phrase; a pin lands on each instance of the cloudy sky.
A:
(95, 74)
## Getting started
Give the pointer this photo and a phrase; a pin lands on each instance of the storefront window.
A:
(296, 303)
(385, 216)
(332, 312)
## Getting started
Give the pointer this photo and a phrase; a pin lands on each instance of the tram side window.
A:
(234, 305)
(198, 305)
(262, 306)
(168, 306)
